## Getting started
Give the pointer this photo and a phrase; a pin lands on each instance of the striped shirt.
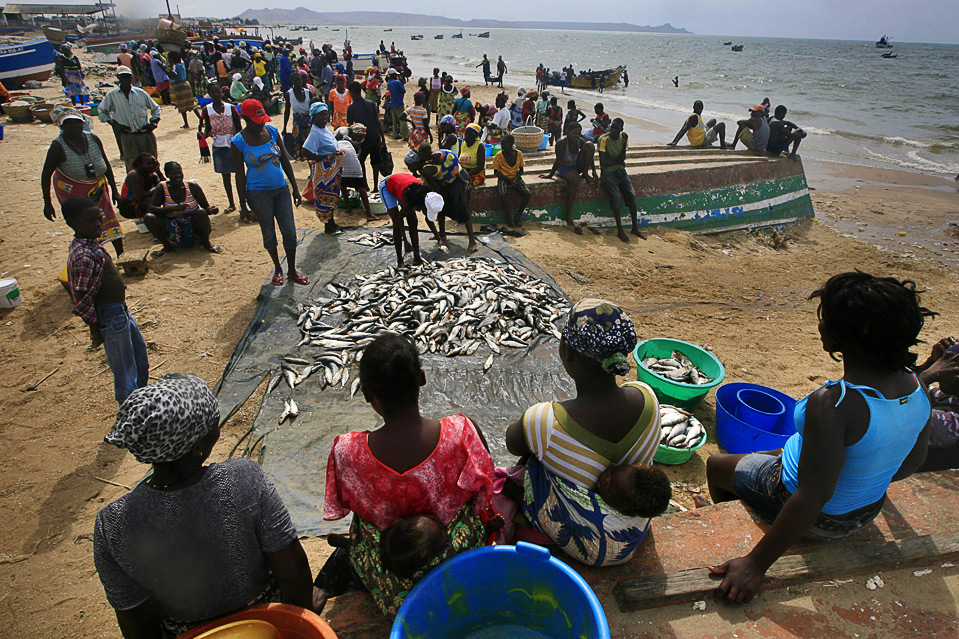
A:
(135, 111)
(570, 451)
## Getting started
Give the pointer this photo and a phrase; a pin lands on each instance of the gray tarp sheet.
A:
(294, 455)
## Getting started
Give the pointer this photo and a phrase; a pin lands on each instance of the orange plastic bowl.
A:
(292, 622)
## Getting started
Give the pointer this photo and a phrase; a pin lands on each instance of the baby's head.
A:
(411, 544)
(635, 491)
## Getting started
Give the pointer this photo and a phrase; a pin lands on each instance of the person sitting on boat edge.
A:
(854, 436)
(700, 133)
(612, 164)
(574, 161)
(508, 167)
(754, 132)
(782, 132)
(191, 542)
(577, 448)
(389, 478)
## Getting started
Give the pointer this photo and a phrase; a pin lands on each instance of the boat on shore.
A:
(25, 61)
(702, 191)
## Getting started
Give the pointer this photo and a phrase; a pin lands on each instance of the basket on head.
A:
(528, 137)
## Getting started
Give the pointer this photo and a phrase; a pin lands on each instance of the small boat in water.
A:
(438, 37)
(884, 42)
(26, 61)
(458, 35)
(387, 30)
(736, 47)
(485, 34)
(416, 37)
(726, 44)
(888, 55)
(607, 78)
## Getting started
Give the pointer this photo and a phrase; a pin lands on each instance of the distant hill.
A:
(302, 15)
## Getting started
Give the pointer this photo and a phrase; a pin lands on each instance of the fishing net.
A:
(294, 454)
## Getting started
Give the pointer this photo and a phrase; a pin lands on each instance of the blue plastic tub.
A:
(510, 591)
(760, 409)
(204, 101)
(737, 436)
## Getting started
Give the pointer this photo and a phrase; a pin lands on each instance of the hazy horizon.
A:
(929, 21)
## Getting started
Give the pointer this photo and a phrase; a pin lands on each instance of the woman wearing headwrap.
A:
(191, 542)
(263, 94)
(326, 168)
(238, 91)
(463, 109)
(446, 134)
(573, 446)
(73, 84)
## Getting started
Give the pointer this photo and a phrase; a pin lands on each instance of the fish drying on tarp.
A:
(678, 428)
(290, 410)
(678, 368)
(453, 308)
(377, 239)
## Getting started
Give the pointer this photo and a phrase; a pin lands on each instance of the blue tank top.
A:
(264, 171)
(894, 426)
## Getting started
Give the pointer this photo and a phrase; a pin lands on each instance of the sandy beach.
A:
(742, 294)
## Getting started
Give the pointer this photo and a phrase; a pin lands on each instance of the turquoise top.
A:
(894, 426)
(264, 172)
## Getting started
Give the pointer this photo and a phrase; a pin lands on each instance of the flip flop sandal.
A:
(334, 232)
(300, 279)
(277, 280)
(443, 249)
(578, 230)
(213, 248)
(162, 252)
(229, 209)
(247, 220)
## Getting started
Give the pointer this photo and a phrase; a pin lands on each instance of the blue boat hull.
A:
(26, 61)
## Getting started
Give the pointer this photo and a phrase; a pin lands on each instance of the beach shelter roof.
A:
(56, 9)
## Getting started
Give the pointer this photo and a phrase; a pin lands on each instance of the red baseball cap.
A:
(758, 107)
(254, 110)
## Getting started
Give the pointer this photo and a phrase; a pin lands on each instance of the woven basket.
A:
(43, 112)
(19, 111)
(175, 37)
(529, 137)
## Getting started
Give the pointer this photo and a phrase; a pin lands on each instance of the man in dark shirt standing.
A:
(363, 111)
(486, 69)
(395, 105)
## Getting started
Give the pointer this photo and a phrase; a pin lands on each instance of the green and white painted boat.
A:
(698, 190)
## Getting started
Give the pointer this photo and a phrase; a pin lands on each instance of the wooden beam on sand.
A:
(829, 561)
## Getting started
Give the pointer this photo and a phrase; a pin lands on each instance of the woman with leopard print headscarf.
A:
(191, 542)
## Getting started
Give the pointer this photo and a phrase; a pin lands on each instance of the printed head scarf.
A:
(450, 120)
(161, 422)
(602, 331)
(318, 107)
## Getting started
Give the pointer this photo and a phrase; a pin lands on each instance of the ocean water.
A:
(857, 107)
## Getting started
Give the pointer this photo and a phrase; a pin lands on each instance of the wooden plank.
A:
(832, 560)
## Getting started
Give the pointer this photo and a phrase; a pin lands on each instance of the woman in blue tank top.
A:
(854, 436)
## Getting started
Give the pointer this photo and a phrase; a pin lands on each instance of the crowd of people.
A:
(420, 488)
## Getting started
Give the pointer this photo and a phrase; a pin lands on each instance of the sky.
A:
(903, 20)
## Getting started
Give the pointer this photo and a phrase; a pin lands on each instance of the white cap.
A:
(434, 204)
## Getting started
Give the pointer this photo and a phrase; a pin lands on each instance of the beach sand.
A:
(741, 294)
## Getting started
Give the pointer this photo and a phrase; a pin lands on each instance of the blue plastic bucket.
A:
(735, 435)
(1, 131)
(510, 591)
(759, 409)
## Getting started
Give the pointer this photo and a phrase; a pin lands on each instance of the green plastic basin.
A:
(675, 456)
(667, 391)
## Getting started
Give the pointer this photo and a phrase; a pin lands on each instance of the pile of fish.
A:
(678, 428)
(375, 240)
(452, 308)
(677, 368)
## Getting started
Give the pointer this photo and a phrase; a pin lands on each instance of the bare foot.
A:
(640, 234)
(701, 502)
(622, 235)
(417, 261)
(472, 248)
(319, 599)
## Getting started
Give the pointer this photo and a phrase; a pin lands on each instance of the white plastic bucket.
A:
(9, 293)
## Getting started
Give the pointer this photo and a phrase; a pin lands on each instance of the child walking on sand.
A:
(99, 297)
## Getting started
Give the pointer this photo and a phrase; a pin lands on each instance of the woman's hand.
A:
(116, 196)
(48, 211)
(742, 580)
(944, 368)
(297, 198)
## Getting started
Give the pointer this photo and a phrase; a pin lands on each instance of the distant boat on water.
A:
(726, 44)
(387, 30)
(485, 34)
(884, 42)
(737, 48)
(889, 54)
(458, 35)
(416, 37)
(438, 37)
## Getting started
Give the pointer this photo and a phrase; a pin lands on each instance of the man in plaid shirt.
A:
(99, 297)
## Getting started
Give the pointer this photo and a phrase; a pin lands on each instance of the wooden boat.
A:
(888, 55)
(737, 48)
(416, 37)
(726, 44)
(699, 190)
(485, 34)
(26, 61)
(458, 35)
(592, 81)
(438, 37)
(884, 43)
